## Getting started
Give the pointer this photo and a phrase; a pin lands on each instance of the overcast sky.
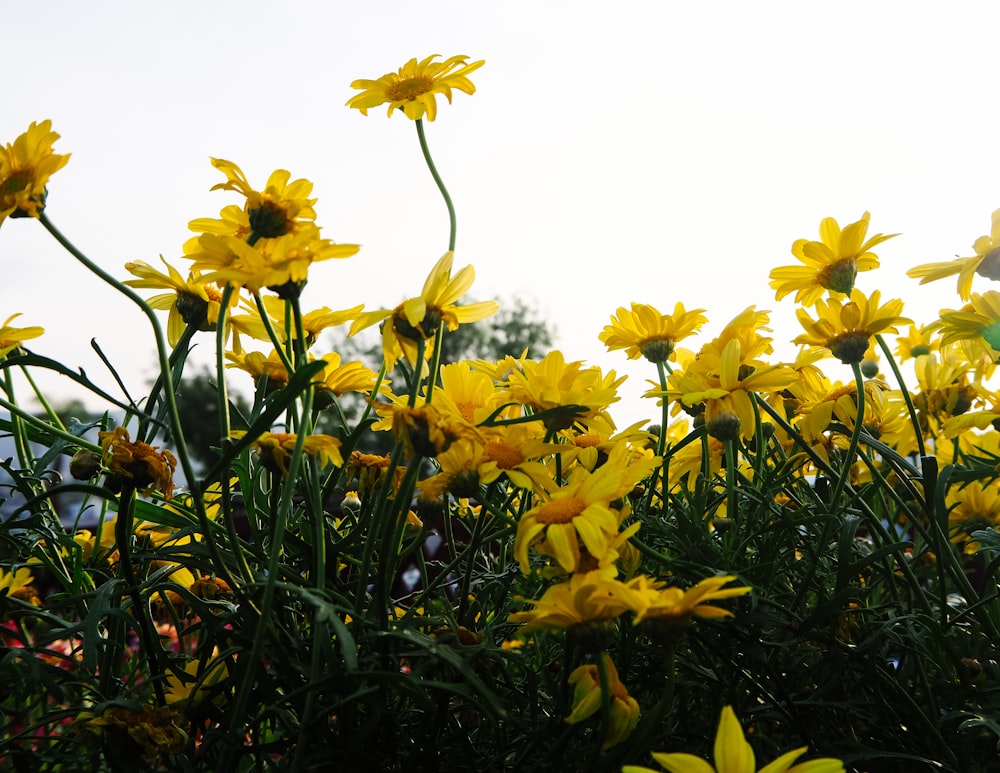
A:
(614, 152)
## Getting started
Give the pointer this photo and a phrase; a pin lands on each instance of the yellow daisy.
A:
(192, 301)
(420, 317)
(732, 754)
(831, 264)
(11, 337)
(986, 262)
(145, 466)
(25, 168)
(623, 714)
(275, 449)
(846, 328)
(282, 207)
(415, 86)
(645, 331)
(979, 318)
(584, 601)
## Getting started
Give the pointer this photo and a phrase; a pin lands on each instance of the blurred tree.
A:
(198, 406)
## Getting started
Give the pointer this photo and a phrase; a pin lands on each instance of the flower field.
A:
(774, 572)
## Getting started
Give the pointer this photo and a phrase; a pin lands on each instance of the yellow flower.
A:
(156, 729)
(25, 168)
(645, 331)
(668, 610)
(733, 754)
(583, 602)
(587, 694)
(979, 318)
(421, 317)
(414, 88)
(281, 208)
(192, 302)
(257, 365)
(845, 328)
(975, 507)
(425, 431)
(554, 383)
(275, 449)
(195, 686)
(281, 265)
(986, 262)
(369, 470)
(722, 379)
(18, 585)
(916, 343)
(831, 264)
(339, 378)
(11, 337)
(148, 468)
(580, 511)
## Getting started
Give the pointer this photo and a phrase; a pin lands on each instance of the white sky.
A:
(614, 152)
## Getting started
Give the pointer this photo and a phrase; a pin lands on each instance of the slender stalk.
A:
(852, 450)
(140, 609)
(440, 184)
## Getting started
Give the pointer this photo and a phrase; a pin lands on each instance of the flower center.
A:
(560, 510)
(839, 276)
(506, 455)
(657, 349)
(16, 182)
(409, 89)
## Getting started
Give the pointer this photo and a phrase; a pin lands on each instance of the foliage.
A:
(516, 583)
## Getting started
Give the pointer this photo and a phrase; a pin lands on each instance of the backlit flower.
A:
(422, 316)
(986, 262)
(280, 265)
(25, 168)
(845, 328)
(554, 383)
(415, 86)
(425, 431)
(733, 754)
(148, 468)
(979, 318)
(831, 264)
(338, 378)
(646, 332)
(275, 449)
(11, 337)
(623, 712)
(282, 207)
(191, 302)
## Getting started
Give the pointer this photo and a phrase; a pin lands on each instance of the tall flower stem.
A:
(852, 450)
(161, 346)
(440, 183)
(140, 609)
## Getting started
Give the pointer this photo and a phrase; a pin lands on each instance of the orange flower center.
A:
(560, 510)
(409, 89)
(506, 456)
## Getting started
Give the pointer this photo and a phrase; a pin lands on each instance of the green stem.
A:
(906, 394)
(440, 184)
(140, 609)
(852, 450)
(161, 346)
